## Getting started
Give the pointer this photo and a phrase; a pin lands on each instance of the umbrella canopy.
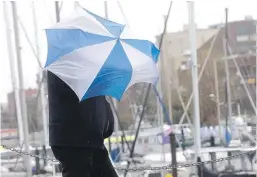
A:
(95, 56)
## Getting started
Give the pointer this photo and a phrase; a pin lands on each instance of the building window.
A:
(245, 29)
(243, 38)
(246, 38)
(146, 140)
(253, 37)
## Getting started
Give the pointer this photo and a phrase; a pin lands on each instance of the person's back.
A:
(87, 118)
(77, 129)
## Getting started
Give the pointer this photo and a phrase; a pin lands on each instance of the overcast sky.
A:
(143, 16)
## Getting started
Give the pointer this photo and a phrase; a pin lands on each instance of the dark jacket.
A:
(74, 123)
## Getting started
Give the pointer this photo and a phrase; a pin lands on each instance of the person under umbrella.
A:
(77, 131)
(89, 58)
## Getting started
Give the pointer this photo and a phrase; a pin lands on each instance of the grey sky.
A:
(143, 16)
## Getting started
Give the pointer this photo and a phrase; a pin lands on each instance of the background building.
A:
(176, 73)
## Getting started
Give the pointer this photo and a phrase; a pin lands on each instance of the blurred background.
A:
(175, 86)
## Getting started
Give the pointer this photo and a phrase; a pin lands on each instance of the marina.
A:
(215, 136)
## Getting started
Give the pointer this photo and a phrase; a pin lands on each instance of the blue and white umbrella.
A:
(95, 56)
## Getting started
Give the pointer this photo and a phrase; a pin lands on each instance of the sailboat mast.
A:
(22, 91)
(114, 103)
(13, 74)
(106, 10)
(76, 4)
(41, 80)
(0, 112)
(160, 111)
(228, 90)
(256, 91)
(116, 125)
(159, 88)
(217, 97)
(197, 138)
(57, 11)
